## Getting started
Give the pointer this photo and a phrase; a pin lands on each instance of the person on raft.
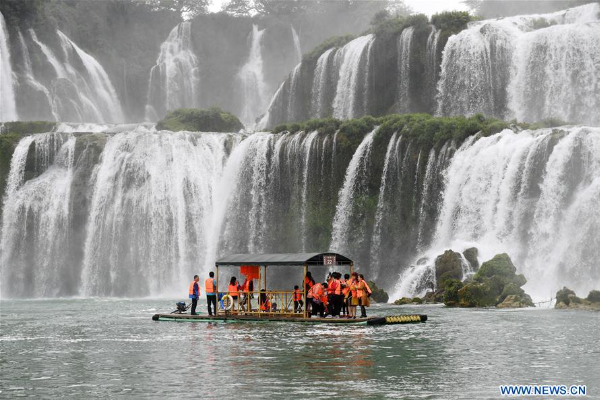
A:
(363, 291)
(234, 290)
(211, 293)
(194, 293)
(298, 303)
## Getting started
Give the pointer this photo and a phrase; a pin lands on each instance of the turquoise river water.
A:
(99, 348)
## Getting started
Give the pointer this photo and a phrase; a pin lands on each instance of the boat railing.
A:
(271, 302)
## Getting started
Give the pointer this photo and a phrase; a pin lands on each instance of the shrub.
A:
(192, 119)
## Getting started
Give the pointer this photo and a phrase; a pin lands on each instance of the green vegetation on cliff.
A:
(192, 119)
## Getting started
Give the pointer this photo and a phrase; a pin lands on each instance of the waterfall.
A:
(404, 60)
(308, 146)
(530, 194)
(297, 46)
(391, 157)
(36, 218)
(526, 67)
(251, 80)
(353, 188)
(175, 79)
(292, 106)
(8, 111)
(431, 63)
(79, 96)
(350, 86)
(151, 200)
(30, 80)
(101, 90)
(431, 162)
(321, 82)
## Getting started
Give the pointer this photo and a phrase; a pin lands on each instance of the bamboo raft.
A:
(387, 320)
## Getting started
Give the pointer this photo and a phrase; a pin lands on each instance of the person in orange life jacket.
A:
(352, 295)
(319, 298)
(345, 290)
(298, 303)
(363, 292)
(248, 288)
(330, 292)
(308, 283)
(234, 291)
(265, 303)
(194, 293)
(211, 293)
(338, 299)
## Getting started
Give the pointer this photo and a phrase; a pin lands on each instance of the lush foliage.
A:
(192, 119)
(335, 41)
(451, 21)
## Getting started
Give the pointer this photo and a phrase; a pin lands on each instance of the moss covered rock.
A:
(448, 266)
(402, 301)
(496, 282)
(471, 255)
(379, 295)
(192, 119)
(567, 299)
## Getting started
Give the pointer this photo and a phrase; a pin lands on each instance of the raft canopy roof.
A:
(285, 259)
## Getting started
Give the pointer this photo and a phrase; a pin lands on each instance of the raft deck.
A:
(387, 320)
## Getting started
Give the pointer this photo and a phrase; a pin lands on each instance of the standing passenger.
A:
(234, 291)
(363, 292)
(345, 290)
(298, 303)
(211, 293)
(353, 296)
(308, 284)
(194, 293)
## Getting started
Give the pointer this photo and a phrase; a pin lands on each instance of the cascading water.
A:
(343, 237)
(431, 63)
(404, 58)
(8, 110)
(321, 82)
(36, 222)
(294, 87)
(528, 67)
(251, 81)
(351, 85)
(297, 46)
(530, 194)
(79, 96)
(175, 79)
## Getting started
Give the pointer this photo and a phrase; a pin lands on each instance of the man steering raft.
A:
(194, 293)
(211, 293)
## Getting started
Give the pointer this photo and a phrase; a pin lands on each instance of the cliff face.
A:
(518, 67)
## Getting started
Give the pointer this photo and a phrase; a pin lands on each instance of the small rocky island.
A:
(566, 299)
(200, 120)
(493, 284)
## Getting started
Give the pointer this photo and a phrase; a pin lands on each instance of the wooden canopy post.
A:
(351, 268)
(217, 294)
(304, 313)
(259, 287)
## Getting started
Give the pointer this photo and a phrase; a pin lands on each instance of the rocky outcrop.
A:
(471, 255)
(379, 295)
(191, 119)
(448, 266)
(567, 299)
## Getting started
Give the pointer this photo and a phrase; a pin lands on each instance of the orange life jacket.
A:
(352, 286)
(209, 285)
(247, 286)
(338, 287)
(316, 292)
(233, 291)
(330, 286)
(192, 289)
(346, 288)
(297, 295)
(361, 288)
(266, 305)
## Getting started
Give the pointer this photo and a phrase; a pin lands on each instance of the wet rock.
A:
(567, 299)
(494, 283)
(379, 295)
(448, 266)
(402, 301)
(516, 301)
(471, 255)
